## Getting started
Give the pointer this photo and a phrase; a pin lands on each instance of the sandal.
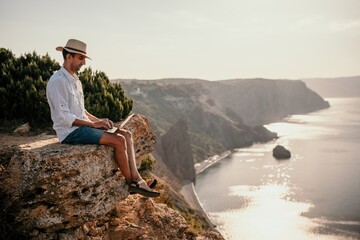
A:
(135, 188)
(151, 183)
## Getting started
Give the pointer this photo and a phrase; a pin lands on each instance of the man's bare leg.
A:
(131, 157)
(124, 155)
(131, 154)
(118, 142)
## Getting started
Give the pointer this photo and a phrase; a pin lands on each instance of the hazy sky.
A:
(207, 39)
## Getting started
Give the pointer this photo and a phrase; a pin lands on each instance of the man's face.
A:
(76, 62)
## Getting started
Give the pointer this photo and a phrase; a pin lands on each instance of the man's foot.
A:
(142, 188)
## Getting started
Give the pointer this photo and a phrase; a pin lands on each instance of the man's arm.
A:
(100, 123)
(95, 119)
(91, 117)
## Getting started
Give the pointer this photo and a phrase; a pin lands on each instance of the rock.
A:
(56, 191)
(280, 152)
(48, 186)
(146, 219)
(25, 128)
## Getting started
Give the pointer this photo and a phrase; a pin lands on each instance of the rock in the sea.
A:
(280, 152)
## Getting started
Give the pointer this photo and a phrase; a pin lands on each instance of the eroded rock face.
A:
(135, 217)
(146, 219)
(49, 186)
(176, 152)
(59, 186)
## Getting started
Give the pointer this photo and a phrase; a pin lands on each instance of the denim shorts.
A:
(84, 135)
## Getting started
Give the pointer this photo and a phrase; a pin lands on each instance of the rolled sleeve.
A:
(64, 115)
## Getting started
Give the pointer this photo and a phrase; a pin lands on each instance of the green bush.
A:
(23, 90)
(103, 98)
(22, 86)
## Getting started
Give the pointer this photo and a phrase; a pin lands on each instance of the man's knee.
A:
(127, 134)
(120, 141)
(114, 140)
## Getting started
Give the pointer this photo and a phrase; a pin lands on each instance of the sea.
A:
(313, 195)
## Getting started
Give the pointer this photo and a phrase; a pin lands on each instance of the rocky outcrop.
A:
(52, 186)
(176, 152)
(280, 152)
(56, 191)
(146, 219)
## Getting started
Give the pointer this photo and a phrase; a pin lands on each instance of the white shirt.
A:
(66, 99)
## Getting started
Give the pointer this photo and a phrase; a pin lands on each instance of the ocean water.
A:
(313, 195)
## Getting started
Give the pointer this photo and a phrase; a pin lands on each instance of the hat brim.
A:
(72, 51)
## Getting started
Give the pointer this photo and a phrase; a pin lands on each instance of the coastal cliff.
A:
(56, 191)
(260, 101)
(175, 145)
(219, 115)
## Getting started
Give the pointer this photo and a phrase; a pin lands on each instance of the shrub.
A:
(103, 98)
(22, 86)
(23, 90)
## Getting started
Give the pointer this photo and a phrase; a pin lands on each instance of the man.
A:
(74, 125)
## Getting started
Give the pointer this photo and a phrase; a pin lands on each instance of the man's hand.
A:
(109, 121)
(103, 123)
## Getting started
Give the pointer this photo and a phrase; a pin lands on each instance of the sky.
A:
(205, 39)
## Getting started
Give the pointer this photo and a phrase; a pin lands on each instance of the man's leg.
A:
(124, 155)
(118, 142)
(131, 154)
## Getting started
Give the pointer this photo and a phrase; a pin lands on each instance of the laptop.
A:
(112, 130)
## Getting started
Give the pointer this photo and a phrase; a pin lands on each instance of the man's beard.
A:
(76, 68)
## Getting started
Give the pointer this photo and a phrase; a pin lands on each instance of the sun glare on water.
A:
(296, 126)
(270, 213)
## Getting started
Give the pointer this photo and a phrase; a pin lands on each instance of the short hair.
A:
(65, 52)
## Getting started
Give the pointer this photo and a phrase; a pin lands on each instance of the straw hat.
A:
(74, 46)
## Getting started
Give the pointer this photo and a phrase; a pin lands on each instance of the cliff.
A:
(176, 147)
(56, 191)
(260, 101)
(212, 127)
(219, 115)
